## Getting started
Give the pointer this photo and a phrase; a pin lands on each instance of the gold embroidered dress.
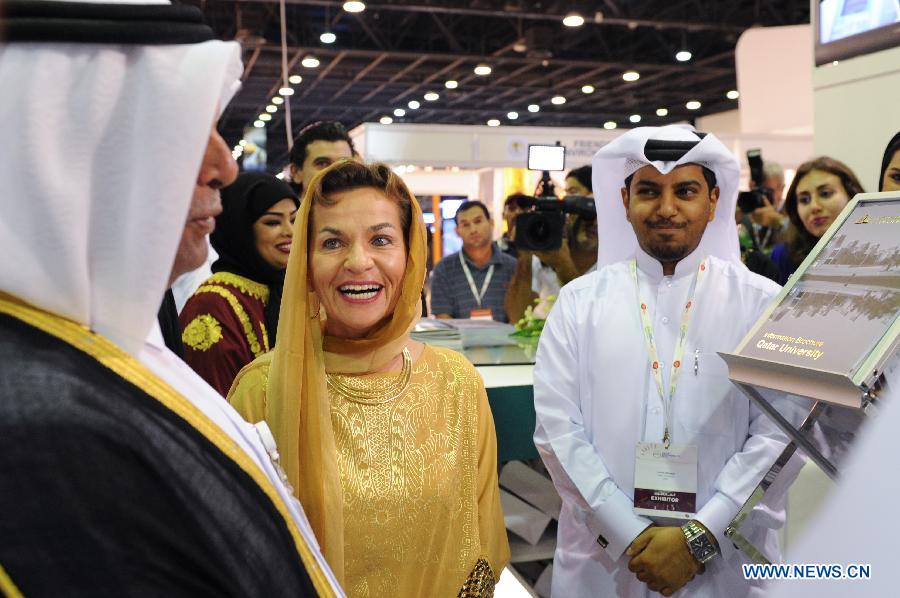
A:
(223, 327)
(421, 505)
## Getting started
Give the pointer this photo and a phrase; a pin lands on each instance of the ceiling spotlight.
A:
(573, 19)
(534, 108)
(683, 56)
(310, 62)
(662, 112)
(609, 125)
(587, 89)
(451, 84)
(733, 94)
(242, 142)
(635, 118)
(399, 112)
(386, 120)
(327, 38)
(493, 123)
(512, 115)
(482, 70)
(558, 100)
(631, 76)
(431, 96)
(354, 6)
(693, 105)
(295, 79)
(259, 124)
(271, 108)
(265, 116)
(277, 100)
(414, 105)
(286, 91)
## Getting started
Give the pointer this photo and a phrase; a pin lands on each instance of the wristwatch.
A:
(699, 542)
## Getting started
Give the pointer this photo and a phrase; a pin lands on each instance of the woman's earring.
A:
(314, 299)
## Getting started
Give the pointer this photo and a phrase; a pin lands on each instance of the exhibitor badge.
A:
(665, 480)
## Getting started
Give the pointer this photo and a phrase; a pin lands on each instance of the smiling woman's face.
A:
(357, 258)
(273, 232)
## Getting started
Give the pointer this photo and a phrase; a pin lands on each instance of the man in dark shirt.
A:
(472, 283)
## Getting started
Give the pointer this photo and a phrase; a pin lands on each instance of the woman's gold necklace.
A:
(354, 389)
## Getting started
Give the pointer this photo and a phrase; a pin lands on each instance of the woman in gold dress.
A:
(389, 444)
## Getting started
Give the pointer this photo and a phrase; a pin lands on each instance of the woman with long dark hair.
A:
(232, 318)
(820, 190)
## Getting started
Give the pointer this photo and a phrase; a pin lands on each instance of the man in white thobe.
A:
(667, 238)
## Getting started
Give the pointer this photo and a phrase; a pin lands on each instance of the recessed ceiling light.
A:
(259, 124)
(631, 76)
(609, 125)
(310, 62)
(399, 112)
(493, 123)
(482, 70)
(354, 6)
(512, 115)
(327, 38)
(693, 105)
(286, 91)
(587, 89)
(277, 100)
(451, 84)
(271, 108)
(683, 56)
(265, 116)
(386, 120)
(573, 19)
(431, 96)
(295, 79)
(635, 118)
(662, 112)
(733, 94)
(414, 104)
(534, 108)
(558, 100)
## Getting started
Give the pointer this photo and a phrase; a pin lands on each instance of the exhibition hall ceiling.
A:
(542, 72)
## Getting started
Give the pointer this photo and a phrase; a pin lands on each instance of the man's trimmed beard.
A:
(669, 253)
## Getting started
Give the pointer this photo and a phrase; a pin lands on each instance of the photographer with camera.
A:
(758, 215)
(556, 242)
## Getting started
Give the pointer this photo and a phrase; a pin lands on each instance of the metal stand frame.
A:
(798, 439)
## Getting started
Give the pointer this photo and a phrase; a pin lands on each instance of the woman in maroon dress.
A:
(232, 318)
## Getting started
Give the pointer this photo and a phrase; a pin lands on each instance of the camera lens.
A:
(540, 233)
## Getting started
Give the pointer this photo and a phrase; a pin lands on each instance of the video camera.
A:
(748, 201)
(543, 226)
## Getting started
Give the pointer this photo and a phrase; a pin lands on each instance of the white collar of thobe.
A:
(652, 268)
(155, 337)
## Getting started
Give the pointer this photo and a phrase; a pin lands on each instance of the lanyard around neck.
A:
(650, 339)
(484, 286)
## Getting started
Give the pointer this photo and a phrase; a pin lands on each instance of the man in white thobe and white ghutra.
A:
(668, 262)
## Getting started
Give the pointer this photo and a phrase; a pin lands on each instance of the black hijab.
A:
(892, 148)
(243, 202)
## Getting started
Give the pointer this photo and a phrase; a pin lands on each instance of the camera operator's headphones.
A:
(669, 151)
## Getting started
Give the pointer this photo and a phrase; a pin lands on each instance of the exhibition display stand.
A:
(815, 362)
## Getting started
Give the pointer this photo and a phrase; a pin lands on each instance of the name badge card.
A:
(665, 480)
(481, 313)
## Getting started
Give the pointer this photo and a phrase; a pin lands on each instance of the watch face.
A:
(702, 548)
